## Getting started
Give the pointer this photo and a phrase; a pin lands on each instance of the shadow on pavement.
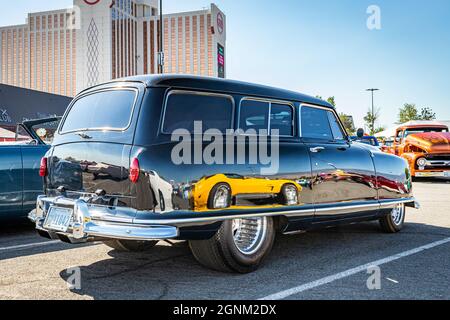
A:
(170, 272)
(20, 239)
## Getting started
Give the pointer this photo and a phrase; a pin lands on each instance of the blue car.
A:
(373, 141)
(20, 183)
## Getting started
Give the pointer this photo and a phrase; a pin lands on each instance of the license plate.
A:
(447, 174)
(58, 219)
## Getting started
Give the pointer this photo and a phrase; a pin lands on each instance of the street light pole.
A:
(161, 41)
(373, 108)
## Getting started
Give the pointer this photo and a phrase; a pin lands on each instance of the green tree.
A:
(332, 101)
(427, 114)
(409, 112)
(378, 130)
(370, 119)
(347, 121)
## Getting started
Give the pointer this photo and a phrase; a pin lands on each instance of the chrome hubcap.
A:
(397, 214)
(249, 234)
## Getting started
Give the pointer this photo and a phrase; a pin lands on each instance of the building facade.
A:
(66, 51)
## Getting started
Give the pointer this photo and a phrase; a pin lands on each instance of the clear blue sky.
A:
(323, 47)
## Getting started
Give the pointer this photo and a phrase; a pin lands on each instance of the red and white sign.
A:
(220, 22)
(91, 2)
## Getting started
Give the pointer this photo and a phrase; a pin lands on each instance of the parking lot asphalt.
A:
(326, 264)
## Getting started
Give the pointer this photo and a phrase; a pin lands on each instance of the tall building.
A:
(66, 51)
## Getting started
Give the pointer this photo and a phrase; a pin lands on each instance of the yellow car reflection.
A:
(223, 191)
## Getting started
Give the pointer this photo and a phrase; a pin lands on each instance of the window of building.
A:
(183, 109)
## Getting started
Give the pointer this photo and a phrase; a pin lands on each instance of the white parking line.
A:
(30, 245)
(308, 286)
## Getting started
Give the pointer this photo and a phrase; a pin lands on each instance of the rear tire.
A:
(130, 245)
(394, 221)
(232, 250)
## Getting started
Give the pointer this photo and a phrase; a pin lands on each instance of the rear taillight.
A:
(43, 171)
(134, 170)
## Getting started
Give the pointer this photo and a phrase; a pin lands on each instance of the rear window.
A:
(104, 110)
(183, 109)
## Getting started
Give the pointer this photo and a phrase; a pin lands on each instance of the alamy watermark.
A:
(374, 280)
(232, 147)
(374, 19)
(74, 278)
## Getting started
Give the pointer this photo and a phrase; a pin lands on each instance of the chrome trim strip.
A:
(111, 231)
(331, 210)
(90, 221)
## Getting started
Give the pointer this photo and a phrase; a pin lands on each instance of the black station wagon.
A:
(139, 160)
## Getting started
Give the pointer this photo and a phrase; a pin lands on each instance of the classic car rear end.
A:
(114, 172)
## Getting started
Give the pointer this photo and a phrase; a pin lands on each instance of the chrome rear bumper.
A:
(88, 224)
(91, 222)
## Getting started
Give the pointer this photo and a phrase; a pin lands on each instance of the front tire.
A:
(239, 246)
(394, 221)
(130, 245)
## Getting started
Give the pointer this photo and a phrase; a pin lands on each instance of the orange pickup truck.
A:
(426, 147)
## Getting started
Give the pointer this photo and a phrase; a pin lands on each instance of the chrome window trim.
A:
(120, 88)
(344, 132)
(198, 93)
(270, 102)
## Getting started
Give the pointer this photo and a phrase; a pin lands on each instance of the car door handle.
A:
(317, 149)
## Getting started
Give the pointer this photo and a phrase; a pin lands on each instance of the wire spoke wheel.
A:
(249, 234)
(397, 214)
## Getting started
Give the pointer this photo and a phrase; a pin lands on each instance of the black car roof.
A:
(220, 85)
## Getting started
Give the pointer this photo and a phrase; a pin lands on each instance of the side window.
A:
(315, 124)
(281, 119)
(335, 127)
(183, 109)
(399, 136)
(254, 115)
(22, 135)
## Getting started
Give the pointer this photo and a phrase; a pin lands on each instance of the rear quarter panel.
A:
(393, 176)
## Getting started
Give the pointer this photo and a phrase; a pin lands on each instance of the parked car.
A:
(388, 145)
(426, 147)
(244, 191)
(130, 124)
(19, 167)
(370, 140)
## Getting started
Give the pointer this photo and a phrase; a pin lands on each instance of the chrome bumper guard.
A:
(92, 222)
